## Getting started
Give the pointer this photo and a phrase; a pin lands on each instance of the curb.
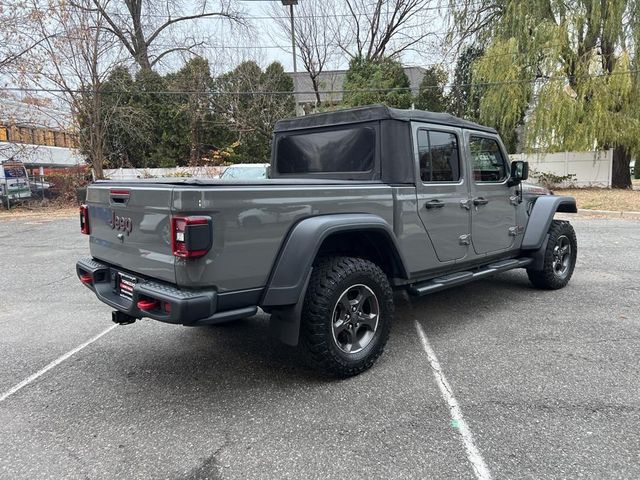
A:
(610, 213)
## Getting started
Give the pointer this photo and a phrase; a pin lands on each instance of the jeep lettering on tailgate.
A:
(123, 224)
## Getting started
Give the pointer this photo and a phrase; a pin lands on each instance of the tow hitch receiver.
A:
(122, 318)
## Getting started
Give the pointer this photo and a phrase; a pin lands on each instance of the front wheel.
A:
(559, 258)
(346, 316)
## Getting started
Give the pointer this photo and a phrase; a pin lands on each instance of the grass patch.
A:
(604, 198)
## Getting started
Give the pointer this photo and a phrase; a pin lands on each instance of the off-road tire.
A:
(549, 278)
(330, 279)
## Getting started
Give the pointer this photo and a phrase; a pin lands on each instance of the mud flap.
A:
(284, 324)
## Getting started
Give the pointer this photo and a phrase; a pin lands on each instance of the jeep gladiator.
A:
(361, 203)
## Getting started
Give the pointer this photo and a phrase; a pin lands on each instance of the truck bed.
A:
(250, 222)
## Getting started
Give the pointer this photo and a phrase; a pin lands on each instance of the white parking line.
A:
(473, 454)
(57, 361)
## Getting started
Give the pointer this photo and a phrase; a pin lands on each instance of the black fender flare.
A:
(541, 217)
(290, 274)
(293, 264)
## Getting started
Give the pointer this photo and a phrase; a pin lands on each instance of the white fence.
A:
(591, 169)
(135, 173)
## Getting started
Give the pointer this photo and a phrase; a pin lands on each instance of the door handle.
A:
(434, 204)
(480, 201)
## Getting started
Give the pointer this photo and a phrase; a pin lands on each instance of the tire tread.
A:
(546, 279)
(327, 274)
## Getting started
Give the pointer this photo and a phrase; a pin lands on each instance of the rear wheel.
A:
(559, 258)
(346, 316)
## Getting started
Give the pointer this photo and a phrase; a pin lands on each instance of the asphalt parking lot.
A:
(548, 382)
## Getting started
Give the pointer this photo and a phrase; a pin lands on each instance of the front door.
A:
(442, 191)
(493, 202)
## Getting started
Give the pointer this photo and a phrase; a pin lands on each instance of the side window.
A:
(439, 158)
(488, 163)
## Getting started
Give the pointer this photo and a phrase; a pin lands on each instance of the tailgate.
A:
(130, 227)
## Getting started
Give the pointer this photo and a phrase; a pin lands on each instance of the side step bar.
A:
(460, 278)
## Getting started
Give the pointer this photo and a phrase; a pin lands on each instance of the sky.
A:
(271, 45)
(264, 42)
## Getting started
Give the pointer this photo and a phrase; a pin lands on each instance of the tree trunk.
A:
(97, 165)
(97, 133)
(194, 151)
(316, 90)
(620, 173)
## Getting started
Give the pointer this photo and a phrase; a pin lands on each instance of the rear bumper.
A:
(186, 307)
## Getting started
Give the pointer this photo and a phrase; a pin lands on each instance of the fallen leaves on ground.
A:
(604, 198)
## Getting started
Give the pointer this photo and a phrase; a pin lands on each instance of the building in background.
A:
(37, 135)
(331, 85)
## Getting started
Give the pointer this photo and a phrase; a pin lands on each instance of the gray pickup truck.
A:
(362, 202)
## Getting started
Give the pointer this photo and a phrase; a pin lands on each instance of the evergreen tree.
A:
(126, 126)
(250, 102)
(464, 98)
(431, 94)
(376, 81)
(195, 132)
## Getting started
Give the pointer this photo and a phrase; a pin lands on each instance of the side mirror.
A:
(519, 173)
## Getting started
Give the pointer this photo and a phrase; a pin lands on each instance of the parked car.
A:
(361, 202)
(246, 171)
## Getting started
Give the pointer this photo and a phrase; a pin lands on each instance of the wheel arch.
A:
(541, 217)
(363, 235)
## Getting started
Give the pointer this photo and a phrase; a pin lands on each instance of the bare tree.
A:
(315, 41)
(79, 53)
(373, 29)
(16, 40)
(145, 27)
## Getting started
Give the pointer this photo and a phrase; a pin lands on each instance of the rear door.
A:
(130, 228)
(442, 192)
(493, 212)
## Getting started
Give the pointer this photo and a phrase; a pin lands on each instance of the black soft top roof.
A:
(373, 113)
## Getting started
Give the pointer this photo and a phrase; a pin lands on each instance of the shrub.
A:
(550, 180)
(67, 186)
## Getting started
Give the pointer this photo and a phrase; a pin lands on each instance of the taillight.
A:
(191, 237)
(84, 220)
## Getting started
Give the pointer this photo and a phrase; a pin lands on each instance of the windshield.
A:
(244, 173)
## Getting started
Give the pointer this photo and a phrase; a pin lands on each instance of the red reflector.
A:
(86, 279)
(147, 304)
(167, 307)
(84, 220)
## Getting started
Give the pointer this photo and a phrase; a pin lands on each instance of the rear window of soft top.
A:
(343, 150)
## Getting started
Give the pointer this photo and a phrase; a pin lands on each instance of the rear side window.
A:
(488, 163)
(439, 156)
(348, 150)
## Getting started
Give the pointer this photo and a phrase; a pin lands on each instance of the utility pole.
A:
(291, 3)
